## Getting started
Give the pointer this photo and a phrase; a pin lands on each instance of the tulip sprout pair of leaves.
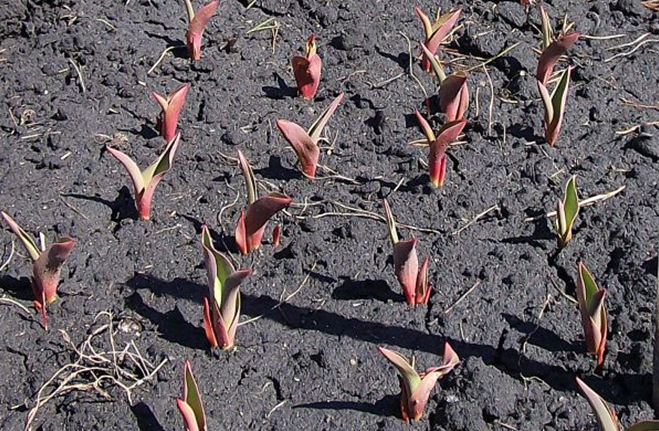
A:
(307, 68)
(438, 145)
(222, 306)
(145, 182)
(453, 90)
(606, 416)
(305, 143)
(171, 108)
(593, 312)
(435, 33)
(566, 212)
(412, 278)
(190, 406)
(416, 387)
(197, 22)
(46, 264)
(251, 224)
(555, 101)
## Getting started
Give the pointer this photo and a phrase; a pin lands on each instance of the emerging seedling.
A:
(438, 145)
(435, 33)
(307, 68)
(46, 265)
(606, 416)
(593, 312)
(555, 101)
(454, 96)
(251, 224)
(305, 144)
(416, 387)
(191, 407)
(171, 108)
(412, 279)
(145, 181)
(222, 306)
(197, 22)
(566, 212)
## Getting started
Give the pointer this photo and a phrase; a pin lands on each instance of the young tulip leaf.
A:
(307, 69)
(593, 312)
(437, 158)
(606, 416)
(305, 143)
(566, 212)
(250, 180)
(171, 108)
(222, 306)
(196, 25)
(190, 406)
(454, 96)
(552, 54)
(412, 278)
(46, 265)
(416, 387)
(547, 32)
(645, 426)
(434, 64)
(251, 224)
(145, 182)
(435, 32)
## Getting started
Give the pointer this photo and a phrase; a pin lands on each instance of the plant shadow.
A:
(275, 170)
(539, 336)
(389, 405)
(282, 90)
(17, 288)
(365, 289)
(146, 420)
(122, 207)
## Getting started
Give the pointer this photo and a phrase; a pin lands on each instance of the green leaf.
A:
(405, 368)
(391, 222)
(645, 426)
(571, 202)
(317, 127)
(250, 180)
(29, 243)
(192, 397)
(605, 415)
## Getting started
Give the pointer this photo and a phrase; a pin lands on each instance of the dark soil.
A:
(311, 362)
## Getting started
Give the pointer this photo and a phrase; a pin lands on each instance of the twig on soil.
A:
(226, 207)
(612, 36)
(475, 219)
(74, 209)
(268, 24)
(386, 81)
(275, 408)
(11, 255)
(563, 294)
(641, 41)
(638, 105)
(490, 60)
(79, 72)
(637, 127)
(162, 57)
(537, 323)
(489, 115)
(411, 65)
(284, 300)
(13, 302)
(462, 297)
(505, 425)
(651, 4)
(92, 368)
(582, 203)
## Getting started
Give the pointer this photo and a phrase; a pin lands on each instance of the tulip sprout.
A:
(222, 306)
(171, 108)
(412, 278)
(566, 212)
(190, 406)
(145, 182)
(435, 32)
(555, 101)
(307, 68)
(606, 416)
(593, 312)
(46, 265)
(197, 22)
(416, 387)
(251, 224)
(305, 143)
(438, 145)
